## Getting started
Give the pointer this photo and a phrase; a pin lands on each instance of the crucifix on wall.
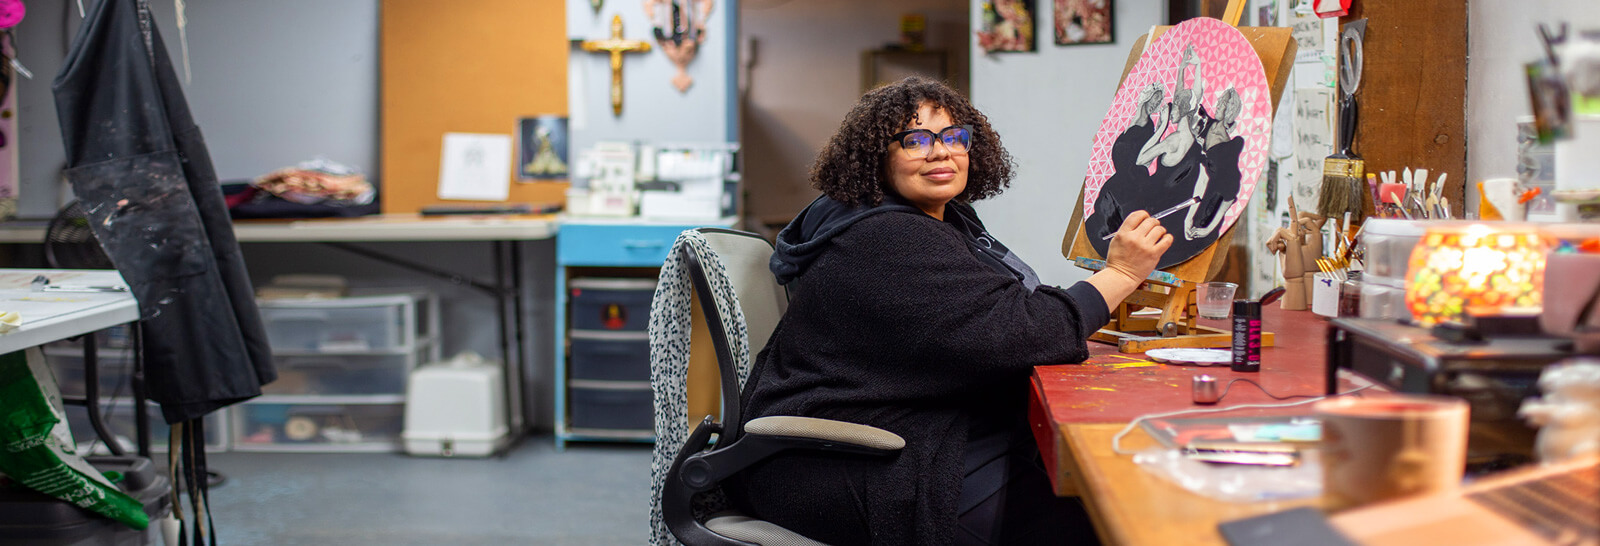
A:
(616, 46)
(680, 27)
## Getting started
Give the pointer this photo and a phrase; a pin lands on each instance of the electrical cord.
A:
(1116, 441)
(1229, 386)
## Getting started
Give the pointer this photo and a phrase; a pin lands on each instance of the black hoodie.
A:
(811, 231)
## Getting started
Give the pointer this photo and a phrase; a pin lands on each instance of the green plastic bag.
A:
(37, 450)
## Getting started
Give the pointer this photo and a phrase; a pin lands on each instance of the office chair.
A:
(741, 303)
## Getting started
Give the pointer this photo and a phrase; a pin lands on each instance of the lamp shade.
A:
(1457, 269)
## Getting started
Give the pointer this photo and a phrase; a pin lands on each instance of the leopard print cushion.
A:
(669, 366)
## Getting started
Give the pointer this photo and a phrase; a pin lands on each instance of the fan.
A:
(69, 243)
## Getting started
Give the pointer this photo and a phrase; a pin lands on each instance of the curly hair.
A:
(852, 168)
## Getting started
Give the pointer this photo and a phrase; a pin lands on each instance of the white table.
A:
(54, 316)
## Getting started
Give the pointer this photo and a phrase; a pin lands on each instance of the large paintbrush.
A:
(1342, 172)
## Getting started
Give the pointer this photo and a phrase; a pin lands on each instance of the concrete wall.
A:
(274, 83)
(805, 74)
(1501, 37)
(1046, 106)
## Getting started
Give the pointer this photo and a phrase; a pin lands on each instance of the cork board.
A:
(468, 67)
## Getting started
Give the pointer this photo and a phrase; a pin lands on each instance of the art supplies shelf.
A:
(606, 273)
(342, 367)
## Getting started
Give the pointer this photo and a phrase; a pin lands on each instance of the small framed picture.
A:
(542, 148)
(1084, 22)
(1007, 26)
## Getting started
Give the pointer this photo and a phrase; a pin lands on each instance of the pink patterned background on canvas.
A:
(1228, 60)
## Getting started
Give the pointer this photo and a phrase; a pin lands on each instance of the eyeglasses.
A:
(918, 143)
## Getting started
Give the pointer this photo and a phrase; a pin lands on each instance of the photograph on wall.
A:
(1191, 121)
(1007, 26)
(542, 148)
(1083, 22)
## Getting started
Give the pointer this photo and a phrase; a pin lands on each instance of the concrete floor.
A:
(588, 494)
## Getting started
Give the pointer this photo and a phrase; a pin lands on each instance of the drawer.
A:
(611, 304)
(610, 356)
(116, 370)
(118, 416)
(611, 405)
(623, 245)
(317, 427)
(347, 324)
(349, 374)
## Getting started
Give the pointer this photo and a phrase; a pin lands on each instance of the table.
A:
(1076, 409)
(503, 232)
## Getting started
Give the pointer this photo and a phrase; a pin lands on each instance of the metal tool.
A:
(41, 283)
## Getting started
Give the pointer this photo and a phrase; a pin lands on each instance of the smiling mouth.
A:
(940, 173)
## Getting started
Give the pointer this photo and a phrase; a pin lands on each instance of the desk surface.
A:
(53, 316)
(376, 228)
(1077, 408)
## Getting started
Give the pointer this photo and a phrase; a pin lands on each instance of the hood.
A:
(808, 234)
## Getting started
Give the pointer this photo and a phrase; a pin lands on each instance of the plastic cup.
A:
(1215, 299)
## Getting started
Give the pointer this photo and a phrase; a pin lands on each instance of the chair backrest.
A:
(744, 257)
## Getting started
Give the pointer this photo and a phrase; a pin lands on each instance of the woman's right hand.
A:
(1138, 246)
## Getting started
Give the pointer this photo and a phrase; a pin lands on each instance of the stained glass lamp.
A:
(1457, 270)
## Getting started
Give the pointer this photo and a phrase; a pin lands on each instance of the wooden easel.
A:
(1173, 290)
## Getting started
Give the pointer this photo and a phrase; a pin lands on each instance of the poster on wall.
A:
(1083, 22)
(1007, 26)
(541, 148)
(1192, 120)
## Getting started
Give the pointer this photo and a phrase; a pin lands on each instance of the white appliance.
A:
(456, 409)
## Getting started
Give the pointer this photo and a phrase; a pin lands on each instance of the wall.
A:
(652, 109)
(806, 74)
(1047, 106)
(264, 100)
(1501, 38)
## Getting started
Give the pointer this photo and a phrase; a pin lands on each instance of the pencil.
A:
(1192, 201)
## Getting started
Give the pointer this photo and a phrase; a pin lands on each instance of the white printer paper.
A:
(475, 167)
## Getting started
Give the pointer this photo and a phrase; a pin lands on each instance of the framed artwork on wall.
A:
(1008, 26)
(541, 148)
(1084, 22)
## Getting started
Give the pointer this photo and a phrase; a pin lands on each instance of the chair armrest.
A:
(825, 429)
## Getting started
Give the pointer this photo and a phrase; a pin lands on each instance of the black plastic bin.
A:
(611, 304)
(30, 518)
(610, 356)
(621, 406)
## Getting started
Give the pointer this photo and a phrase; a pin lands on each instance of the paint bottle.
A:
(1246, 336)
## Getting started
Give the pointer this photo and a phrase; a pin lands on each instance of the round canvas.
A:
(1192, 119)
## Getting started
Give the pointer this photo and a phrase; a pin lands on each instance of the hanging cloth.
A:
(137, 162)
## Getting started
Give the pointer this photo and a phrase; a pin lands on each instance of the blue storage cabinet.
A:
(602, 356)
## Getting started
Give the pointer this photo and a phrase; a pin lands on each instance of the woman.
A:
(908, 316)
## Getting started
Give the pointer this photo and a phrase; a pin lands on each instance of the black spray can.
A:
(1246, 336)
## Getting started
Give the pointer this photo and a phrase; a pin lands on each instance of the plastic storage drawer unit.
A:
(610, 356)
(612, 405)
(118, 417)
(342, 374)
(611, 304)
(361, 323)
(317, 427)
(115, 367)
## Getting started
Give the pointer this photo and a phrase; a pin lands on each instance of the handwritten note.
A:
(1308, 34)
(1313, 141)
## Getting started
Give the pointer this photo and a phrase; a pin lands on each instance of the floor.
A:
(588, 494)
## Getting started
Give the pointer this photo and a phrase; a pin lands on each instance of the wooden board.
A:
(1413, 91)
(469, 67)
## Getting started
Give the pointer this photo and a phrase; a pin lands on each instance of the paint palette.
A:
(1191, 357)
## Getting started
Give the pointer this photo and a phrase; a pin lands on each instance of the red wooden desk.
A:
(1076, 408)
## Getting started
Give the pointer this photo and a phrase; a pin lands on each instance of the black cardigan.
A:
(899, 325)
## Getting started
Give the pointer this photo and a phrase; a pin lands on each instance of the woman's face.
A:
(928, 182)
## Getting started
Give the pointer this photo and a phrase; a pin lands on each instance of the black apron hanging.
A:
(137, 162)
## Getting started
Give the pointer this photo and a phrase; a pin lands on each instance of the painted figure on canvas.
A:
(1007, 26)
(1083, 22)
(1190, 121)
